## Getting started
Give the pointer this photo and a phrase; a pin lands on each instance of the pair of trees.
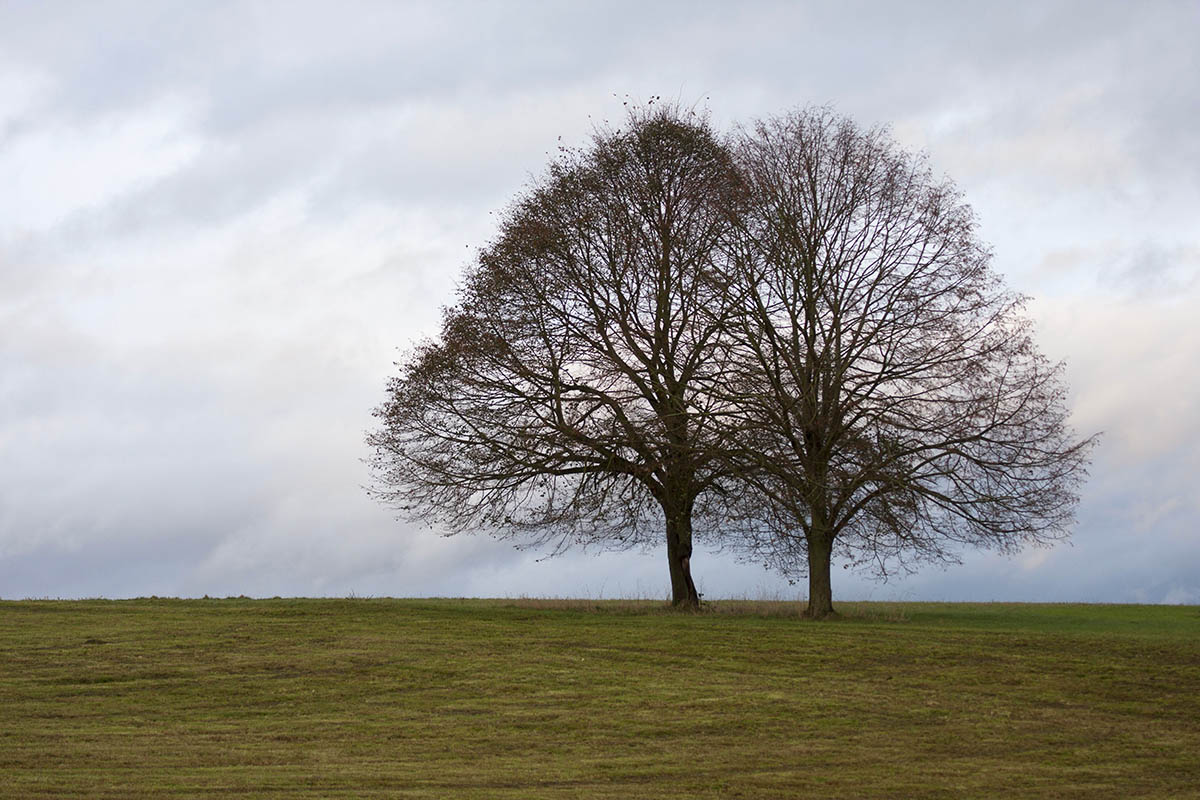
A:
(788, 343)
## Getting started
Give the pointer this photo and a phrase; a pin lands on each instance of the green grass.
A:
(573, 699)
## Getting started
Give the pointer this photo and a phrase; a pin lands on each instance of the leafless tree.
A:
(564, 402)
(899, 405)
(796, 348)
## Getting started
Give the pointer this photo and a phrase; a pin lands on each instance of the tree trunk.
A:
(820, 587)
(679, 556)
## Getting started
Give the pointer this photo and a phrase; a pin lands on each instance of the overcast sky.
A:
(218, 222)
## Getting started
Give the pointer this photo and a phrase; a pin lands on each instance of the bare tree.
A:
(798, 350)
(564, 401)
(899, 404)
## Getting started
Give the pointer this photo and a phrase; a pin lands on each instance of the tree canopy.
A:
(564, 401)
(789, 342)
(896, 380)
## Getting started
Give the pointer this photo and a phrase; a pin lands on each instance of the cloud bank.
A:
(219, 222)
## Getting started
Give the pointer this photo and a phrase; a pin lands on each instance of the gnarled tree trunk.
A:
(679, 556)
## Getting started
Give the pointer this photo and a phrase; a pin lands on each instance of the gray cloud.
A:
(223, 219)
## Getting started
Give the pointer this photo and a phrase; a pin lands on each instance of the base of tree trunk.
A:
(679, 556)
(685, 608)
(685, 604)
(692, 600)
(816, 613)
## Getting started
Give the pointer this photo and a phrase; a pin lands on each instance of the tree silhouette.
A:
(563, 402)
(792, 345)
(895, 380)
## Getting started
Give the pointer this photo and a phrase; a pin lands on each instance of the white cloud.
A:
(52, 170)
(1130, 365)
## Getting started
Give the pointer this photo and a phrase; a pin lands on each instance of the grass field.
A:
(557, 699)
